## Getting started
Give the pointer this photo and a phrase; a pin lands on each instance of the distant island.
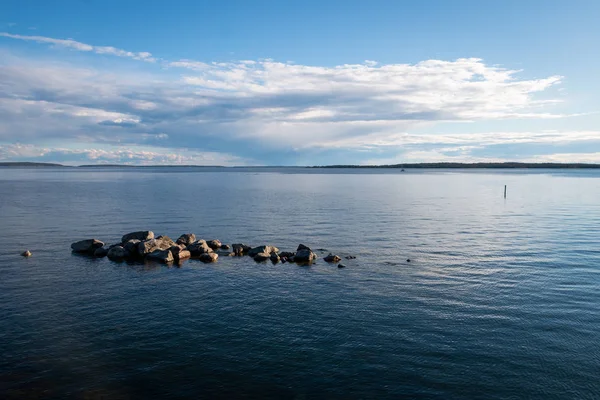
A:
(440, 165)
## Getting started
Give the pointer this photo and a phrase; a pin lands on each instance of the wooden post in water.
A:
(504, 191)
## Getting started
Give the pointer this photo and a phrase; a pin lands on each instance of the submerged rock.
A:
(164, 256)
(186, 239)
(341, 266)
(225, 247)
(331, 258)
(239, 249)
(101, 252)
(117, 253)
(263, 249)
(208, 257)
(350, 257)
(140, 235)
(26, 253)
(86, 246)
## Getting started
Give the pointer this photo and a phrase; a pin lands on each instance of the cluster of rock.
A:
(144, 245)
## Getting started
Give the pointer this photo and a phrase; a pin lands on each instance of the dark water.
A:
(501, 298)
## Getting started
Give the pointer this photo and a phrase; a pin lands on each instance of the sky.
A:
(299, 82)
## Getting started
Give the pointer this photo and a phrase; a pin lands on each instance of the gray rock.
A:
(208, 257)
(26, 253)
(331, 258)
(198, 248)
(160, 243)
(240, 249)
(131, 245)
(214, 244)
(117, 253)
(274, 258)
(261, 257)
(101, 252)
(140, 235)
(263, 249)
(164, 256)
(179, 253)
(305, 256)
(86, 246)
(186, 238)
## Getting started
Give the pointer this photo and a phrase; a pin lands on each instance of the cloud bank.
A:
(266, 112)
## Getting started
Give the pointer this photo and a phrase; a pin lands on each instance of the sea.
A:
(456, 291)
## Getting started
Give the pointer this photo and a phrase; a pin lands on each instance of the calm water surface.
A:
(501, 298)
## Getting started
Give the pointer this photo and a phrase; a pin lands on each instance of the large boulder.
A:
(160, 243)
(180, 253)
(239, 249)
(117, 253)
(131, 245)
(304, 255)
(186, 238)
(261, 257)
(208, 257)
(214, 244)
(140, 235)
(263, 249)
(198, 248)
(86, 246)
(164, 256)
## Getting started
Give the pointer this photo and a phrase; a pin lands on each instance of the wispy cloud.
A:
(75, 45)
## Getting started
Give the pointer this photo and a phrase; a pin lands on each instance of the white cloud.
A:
(73, 44)
(270, 107)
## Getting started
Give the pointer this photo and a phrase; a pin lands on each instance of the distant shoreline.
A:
(441, 165)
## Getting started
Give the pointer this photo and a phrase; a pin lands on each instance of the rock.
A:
(179, 253)
(302, 247)
(332, 258)
(101, 252)
(341, 266)
(131, 245)
(214, 244)
(263, 249)
(117, 253)
(261, 257)
(274, 258)
(164, 256)
(225, 247)
(26, 253)
(305, 256)
(186, 238)
(225, 253)
(350, 257)
(239, 249)
(283, 260)
(160, 243)
(86, 246)
(208, 257)
(286, 254)
(140, 235)
(408, 260)
(198, 248)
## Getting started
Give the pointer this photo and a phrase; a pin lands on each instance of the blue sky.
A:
(299, 82)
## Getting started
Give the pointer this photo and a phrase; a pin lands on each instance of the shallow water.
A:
(501, 298)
